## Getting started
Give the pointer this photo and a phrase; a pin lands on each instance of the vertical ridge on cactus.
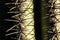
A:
(25, 19)
(55, 19)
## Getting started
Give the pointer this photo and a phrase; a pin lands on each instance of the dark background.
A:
(4, 25)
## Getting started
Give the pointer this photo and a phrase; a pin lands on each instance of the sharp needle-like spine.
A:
(11, 33)
(12, 27)
(12, 20)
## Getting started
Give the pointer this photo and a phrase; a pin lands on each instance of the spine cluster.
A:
(24, 18)
(54, 19)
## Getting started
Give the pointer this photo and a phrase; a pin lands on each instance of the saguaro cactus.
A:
(25, 18)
